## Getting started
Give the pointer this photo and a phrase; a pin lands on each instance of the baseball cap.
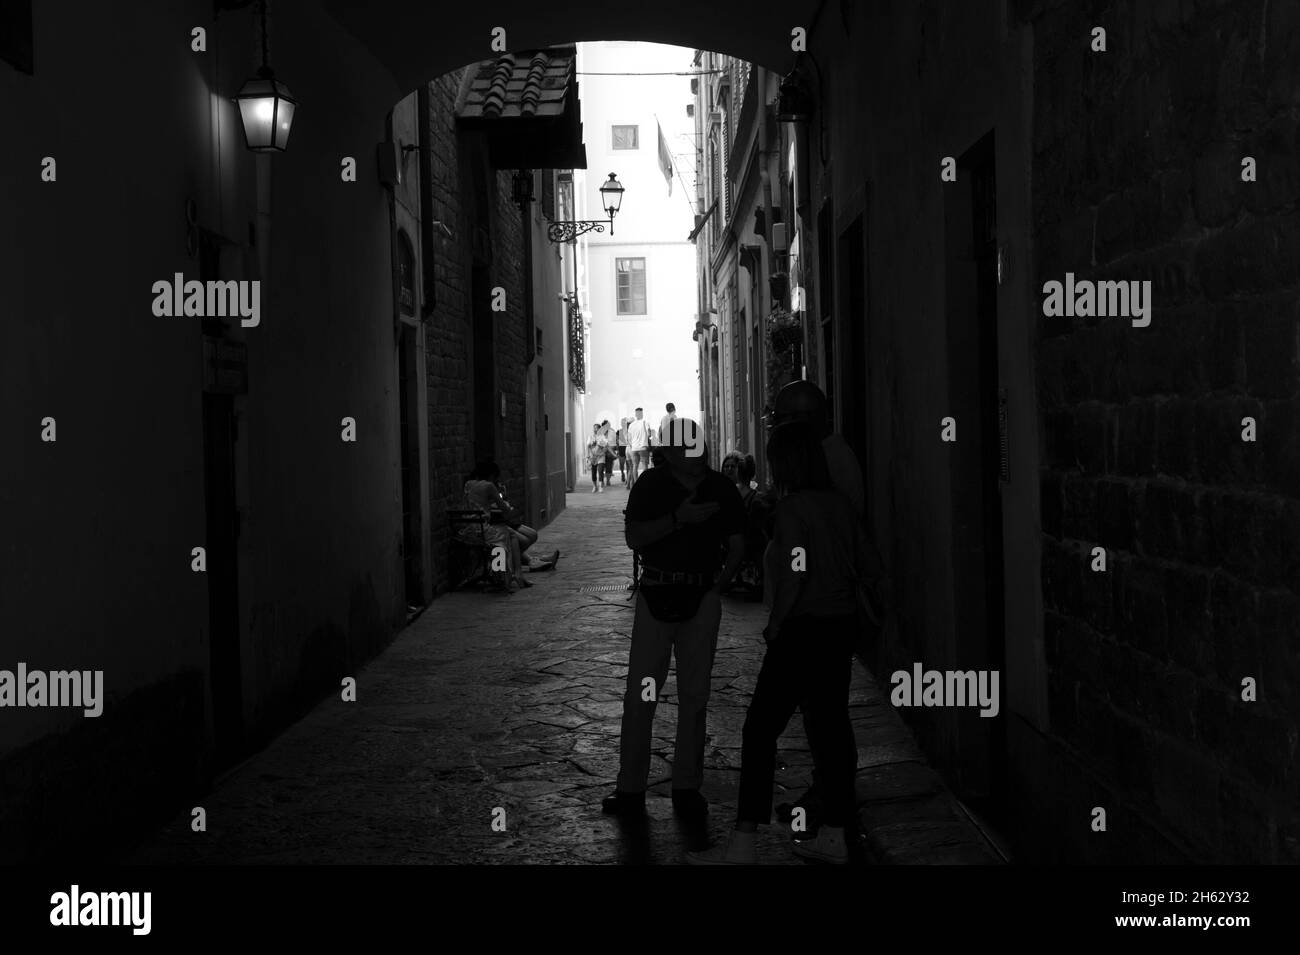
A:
(800, 398)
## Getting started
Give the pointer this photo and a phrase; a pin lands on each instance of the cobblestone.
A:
(513, 701)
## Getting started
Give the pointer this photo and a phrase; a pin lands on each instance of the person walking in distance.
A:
(656, 456)
(687, 522)
(622, 450)
(596, 458)
(670, 410)
(611, 443)
(638, 445)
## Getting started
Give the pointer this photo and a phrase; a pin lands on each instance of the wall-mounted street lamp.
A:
(266, 106)
(794, 105)
(795, 102)
(611, 194)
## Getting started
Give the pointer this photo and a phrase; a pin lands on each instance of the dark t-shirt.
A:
(695, 548)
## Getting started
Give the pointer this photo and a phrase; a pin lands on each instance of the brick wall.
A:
(1137, 161)
(449, 342)
(449, 338)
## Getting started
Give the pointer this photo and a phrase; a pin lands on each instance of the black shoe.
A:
(621, 803)
(690, 803)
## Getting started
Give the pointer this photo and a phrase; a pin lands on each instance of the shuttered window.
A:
(548, 194)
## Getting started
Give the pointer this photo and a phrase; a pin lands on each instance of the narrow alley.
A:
(966, 330)
(488, 700)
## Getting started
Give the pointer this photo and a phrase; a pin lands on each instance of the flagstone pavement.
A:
(490, 702)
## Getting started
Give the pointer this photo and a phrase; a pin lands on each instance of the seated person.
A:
(507, 514)
(740, 468)
(504, 514)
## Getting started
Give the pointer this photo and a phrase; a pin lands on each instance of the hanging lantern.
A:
(794, 104)
(266, 106)
(611, 193)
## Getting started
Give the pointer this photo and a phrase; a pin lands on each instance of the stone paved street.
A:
(490, 700)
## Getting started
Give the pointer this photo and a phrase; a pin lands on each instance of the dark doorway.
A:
(972, 314)
(739, 372)
(542, 506)
(408, 370)
(225, 377)
(742, 376)
(754, 393)
(485, 392)
(570, 482)
(715, 394)
(223, 595)
(851, 264)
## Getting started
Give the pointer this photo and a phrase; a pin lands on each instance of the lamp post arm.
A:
(569, 230)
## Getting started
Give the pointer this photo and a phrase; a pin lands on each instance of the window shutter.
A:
(548, 194)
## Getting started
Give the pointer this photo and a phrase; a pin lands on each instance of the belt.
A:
(655, 575)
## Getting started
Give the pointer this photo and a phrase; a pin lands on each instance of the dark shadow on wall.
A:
(84, 795)
(329, 654)
(89, 794)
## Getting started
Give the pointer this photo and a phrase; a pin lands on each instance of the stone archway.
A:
(324, 580)
(417, 41)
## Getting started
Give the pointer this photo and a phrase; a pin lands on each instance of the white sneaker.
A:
(828, 846)
(739, 849)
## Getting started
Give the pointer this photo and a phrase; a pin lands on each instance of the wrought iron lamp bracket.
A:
(569, 230)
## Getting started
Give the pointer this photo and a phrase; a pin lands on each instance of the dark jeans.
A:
(809, 665)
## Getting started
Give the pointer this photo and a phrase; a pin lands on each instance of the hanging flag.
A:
(665, 158)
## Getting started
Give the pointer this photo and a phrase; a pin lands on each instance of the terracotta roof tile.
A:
(532, 90)
(528, 85)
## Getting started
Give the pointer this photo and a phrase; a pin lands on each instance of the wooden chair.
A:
(470, 553)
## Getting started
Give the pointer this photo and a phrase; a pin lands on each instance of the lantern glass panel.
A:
(612, 194)
(283, 122)
(257, 114)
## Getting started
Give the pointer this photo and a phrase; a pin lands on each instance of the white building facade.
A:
(639, 302)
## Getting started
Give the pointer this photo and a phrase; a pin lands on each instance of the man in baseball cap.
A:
(688, 524)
